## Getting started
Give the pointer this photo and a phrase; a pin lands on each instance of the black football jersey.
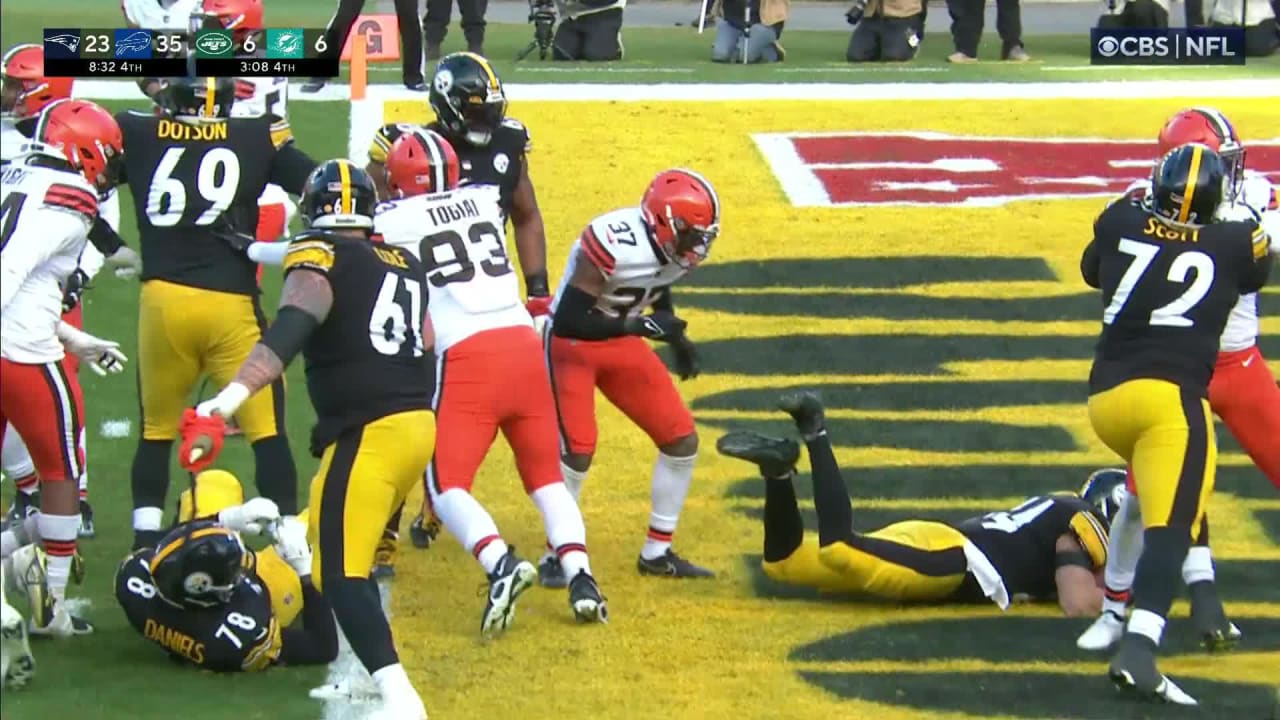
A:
(1167, 291)
(242, 635)
(366, 360)
(1021, 542)
(195, 185)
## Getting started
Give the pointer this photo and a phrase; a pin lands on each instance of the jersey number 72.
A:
(1173, 314)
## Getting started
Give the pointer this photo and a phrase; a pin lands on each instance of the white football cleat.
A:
(17, 664)
(356, 693)
(1103, 633)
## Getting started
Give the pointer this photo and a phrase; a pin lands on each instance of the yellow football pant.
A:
(1166, 434)
(913, 560)
(363, 478)
(185, 332)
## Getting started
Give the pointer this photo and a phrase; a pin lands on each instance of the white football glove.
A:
(291, 544)
(253, 517)
(102, 356)
(226, 402)
(126, 263)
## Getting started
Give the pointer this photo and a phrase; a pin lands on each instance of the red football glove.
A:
(540, 305)
(201, 440)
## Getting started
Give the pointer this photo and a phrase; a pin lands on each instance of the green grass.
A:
(680, 55)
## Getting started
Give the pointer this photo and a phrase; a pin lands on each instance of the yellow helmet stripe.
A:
(344, 173)
(210, 90)
(1193, 172)
(173, 547)
(494, 85)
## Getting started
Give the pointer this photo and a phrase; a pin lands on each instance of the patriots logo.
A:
(66, 40)
(287, 43)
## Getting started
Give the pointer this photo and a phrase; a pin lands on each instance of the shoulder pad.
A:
(62, 196)
(521, 133)
(1260, 242)
(312, 251)
(514, 124)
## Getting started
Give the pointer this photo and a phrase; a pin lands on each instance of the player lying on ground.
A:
(489, 371)
(1047, 547)
(214, 604)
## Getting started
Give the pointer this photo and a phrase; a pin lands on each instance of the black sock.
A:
(393, 525)
(783, 526)
(150, 474)
(830, 497)
(1202, 540)
(146, 539)
(275, 473)
(1159, 572)
(358, 608)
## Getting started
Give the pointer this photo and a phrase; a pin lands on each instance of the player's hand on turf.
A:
(102, 356)
(686, 358)
(202, 437)
(253, 517)
(658, 325)
(291, 544)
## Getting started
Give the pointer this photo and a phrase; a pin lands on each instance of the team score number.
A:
(1012, 521)
(621, 233)
(217, 181)
(1191, 266)
(169, 45)
(448, 259)
(395, 327)
(96, 44)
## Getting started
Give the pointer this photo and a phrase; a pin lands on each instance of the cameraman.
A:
(887, 30)
(1134, 14)
(589, 30)
(1257, 18)
(750, 28)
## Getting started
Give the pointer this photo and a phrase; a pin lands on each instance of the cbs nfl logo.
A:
(1171, 46)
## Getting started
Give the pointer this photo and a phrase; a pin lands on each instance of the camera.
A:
(542, 13)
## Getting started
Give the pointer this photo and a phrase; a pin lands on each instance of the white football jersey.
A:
(1256, 195)
(160, 14)
(635, 269)
(461, 239)
(49, 212)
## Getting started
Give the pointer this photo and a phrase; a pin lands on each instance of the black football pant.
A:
(435, 23)
(595, 37)
(967, 22)
(885, 39)
(335, 34)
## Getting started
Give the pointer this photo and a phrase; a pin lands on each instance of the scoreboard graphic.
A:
(136, 53)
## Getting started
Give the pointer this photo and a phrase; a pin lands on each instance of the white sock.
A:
(84, 474)
(58, 534)
(1125, 547)
(566, 532)
(393, 683)
(16, 462)
(1198, 567)
(9, 542)
(471, 524)
(147, 518)
(573, 480)
(1145, 622)
(671, 479)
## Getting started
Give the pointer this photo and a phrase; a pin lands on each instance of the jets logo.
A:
(214, 43)
(66, 40)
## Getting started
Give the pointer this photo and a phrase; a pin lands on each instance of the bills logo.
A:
(926, 168)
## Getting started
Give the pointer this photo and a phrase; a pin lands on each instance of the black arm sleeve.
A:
(106, 240)
(291, 167)
(663, 302)
(1091, 265)
(576, 317)
(316, 642)
(537, 285)
(289, 332)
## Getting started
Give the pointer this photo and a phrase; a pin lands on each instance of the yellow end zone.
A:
(715, 649)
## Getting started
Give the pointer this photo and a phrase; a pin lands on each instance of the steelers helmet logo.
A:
(443, 81)
(197, 583)
(501, 162)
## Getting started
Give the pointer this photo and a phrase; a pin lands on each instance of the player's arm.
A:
(531, 237)
(134, 589)
(576, 314)
(23, 253)
(290, 168)
(1074, 575)
(316, 642)
(1261, 259)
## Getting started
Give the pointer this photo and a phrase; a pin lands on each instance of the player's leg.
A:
(273, 217)
(362, 478)
(1244, 394)
(71, 363)
(1217, 633)
(1123, 551)
(170, 337)
(636, 380)
(16, 462)
(571, 366)
(261, 417)
(384, 564)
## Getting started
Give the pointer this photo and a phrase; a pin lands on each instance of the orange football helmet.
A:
(26, 89)
(1207, 126)
(86, 136)
(682, 211)
(238, 15)
(421, 161)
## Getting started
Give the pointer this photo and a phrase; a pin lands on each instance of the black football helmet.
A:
(338, 195)
(1188, 185)
(199, 565)
(1105, 489)
(468, 98)
(204, 99)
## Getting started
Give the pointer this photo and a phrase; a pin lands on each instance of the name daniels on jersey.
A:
(176, 641)
(171, 130)
(1160, 231)
(445, 214)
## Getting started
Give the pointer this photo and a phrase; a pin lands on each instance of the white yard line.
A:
(346, 667)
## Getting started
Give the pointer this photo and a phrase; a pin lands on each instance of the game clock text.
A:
(133, 52)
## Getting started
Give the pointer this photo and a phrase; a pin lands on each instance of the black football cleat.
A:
(775, 457)
(588, 605)
(671, 565)
(1217, 633)
(384, 556)
(1133, 670)
(87, 530)
(551, 572)
(423, 531)
(806, 409)
(507, 583)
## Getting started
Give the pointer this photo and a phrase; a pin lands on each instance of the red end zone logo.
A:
(927, 168)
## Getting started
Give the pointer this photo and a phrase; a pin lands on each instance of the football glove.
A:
(291, 544)
(253, 517)
(102, 356)
(658, 325)
(125, 262)
(686, 358)
(202, 438)
(538, 305)
(73, 289)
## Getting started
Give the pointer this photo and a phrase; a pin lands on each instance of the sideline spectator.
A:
(1261, 36)
(966, 30)
(589, 30)
(335, 37)
(765, 19)
(886, 30)
(1137, 14)
(435, 24)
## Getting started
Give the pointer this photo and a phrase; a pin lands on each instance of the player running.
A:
(489, 372)
(48, 203)
(355, 309)
(195, 174)
(623, 263)
(1170, 277)
(1048, 547)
